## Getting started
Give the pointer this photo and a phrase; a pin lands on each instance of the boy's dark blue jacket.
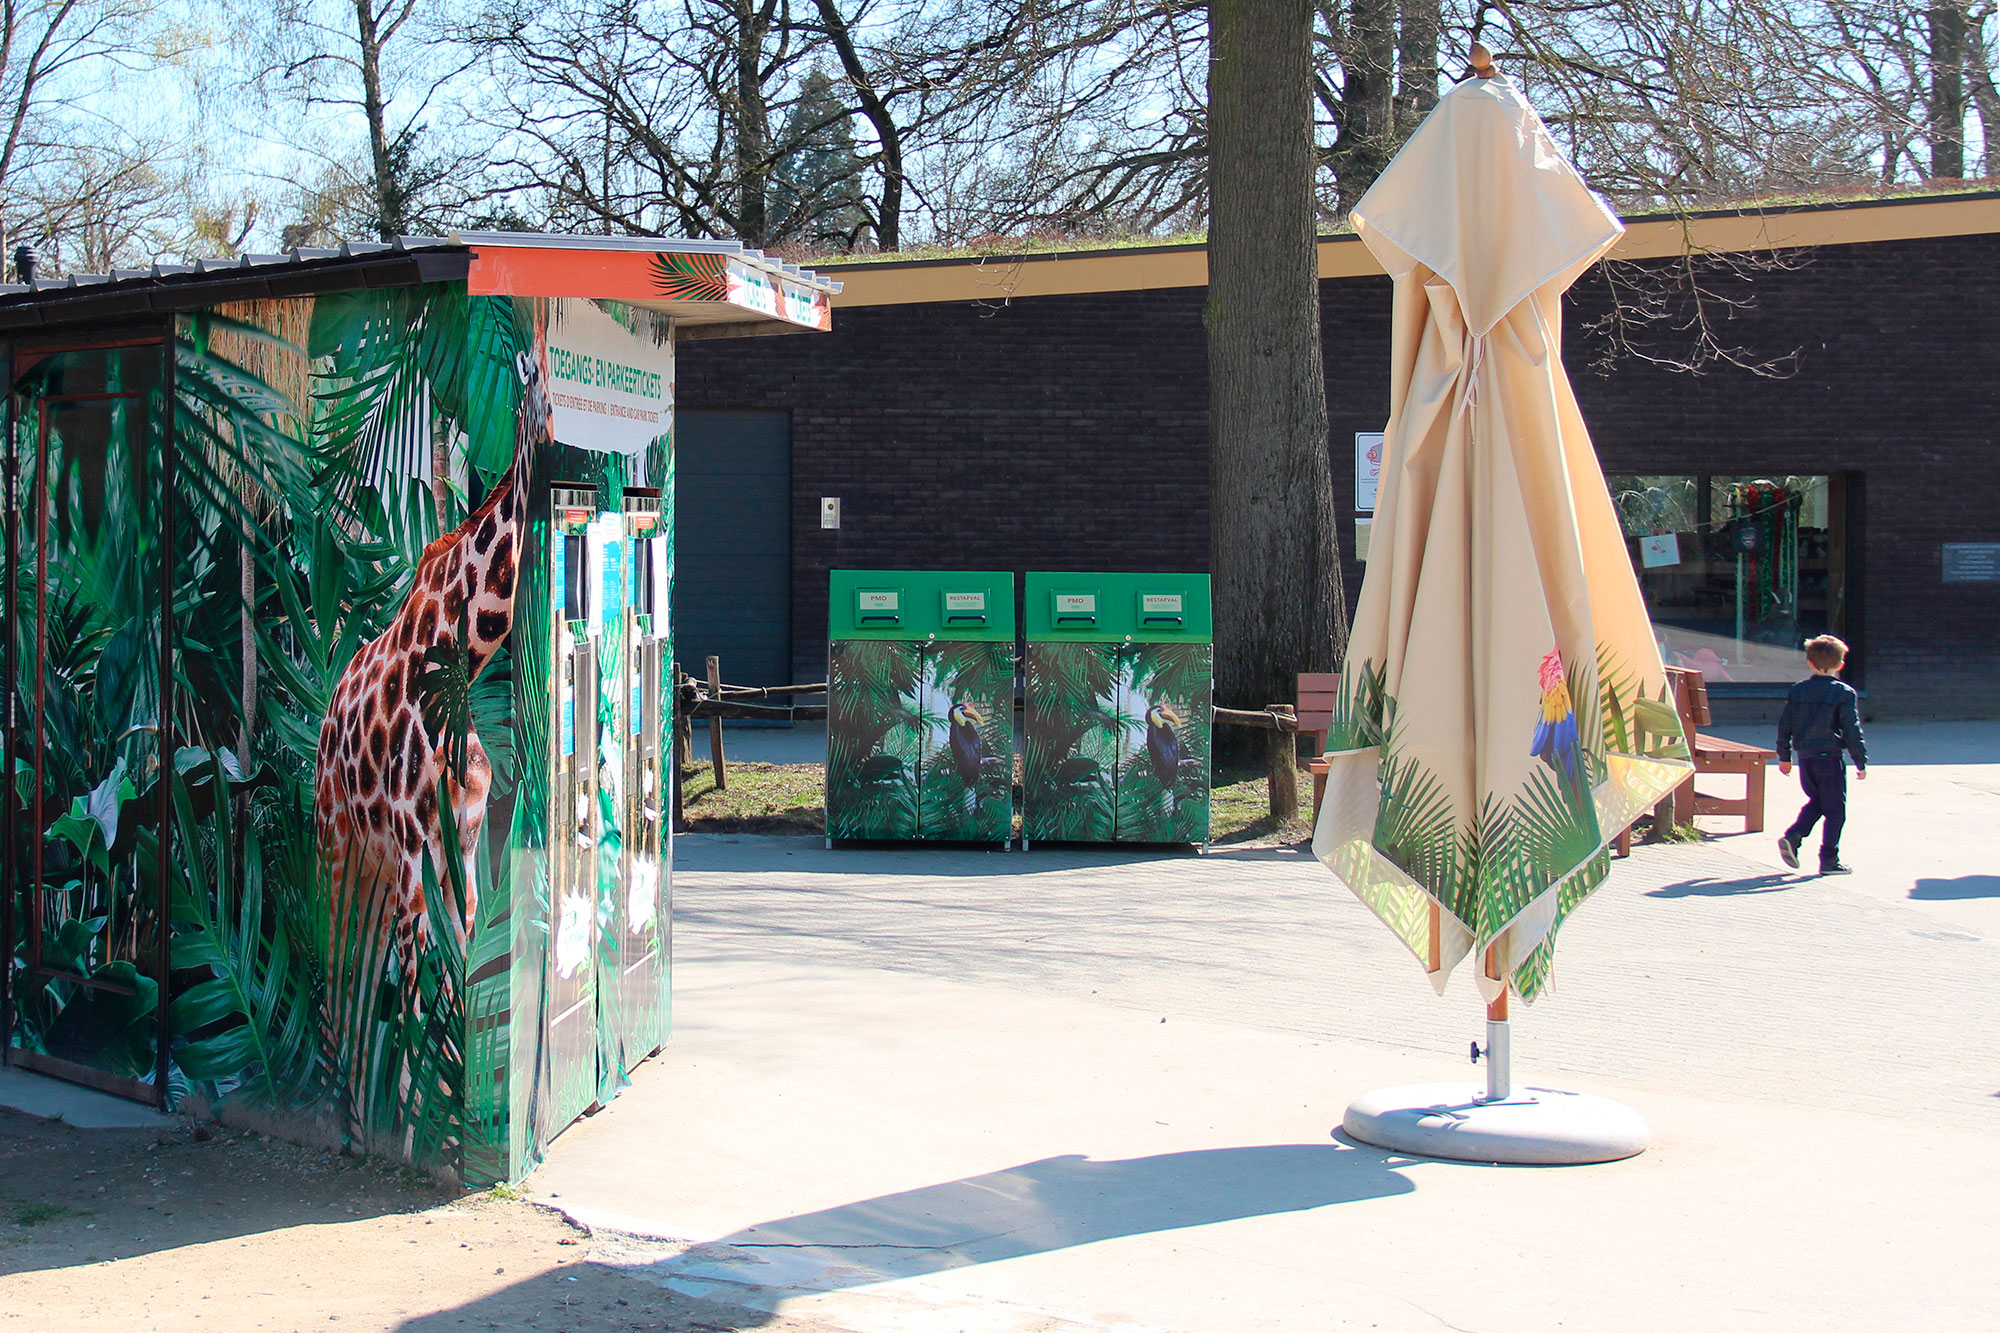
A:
(1822, 717)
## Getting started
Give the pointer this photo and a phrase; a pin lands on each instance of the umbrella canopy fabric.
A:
(1503, 714)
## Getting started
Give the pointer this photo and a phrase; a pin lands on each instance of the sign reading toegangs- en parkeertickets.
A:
(611, 389)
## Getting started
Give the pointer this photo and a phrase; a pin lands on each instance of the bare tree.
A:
(352, 56)
(58, 64)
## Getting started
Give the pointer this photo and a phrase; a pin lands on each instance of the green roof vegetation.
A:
(1043, 244)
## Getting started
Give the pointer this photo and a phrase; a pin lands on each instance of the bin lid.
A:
(1111, 608)
(919, 604)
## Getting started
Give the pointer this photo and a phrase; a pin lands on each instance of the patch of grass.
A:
(505, 1191)
(1239, 809)
(791, 799)
(35, 1214)
(762, 798)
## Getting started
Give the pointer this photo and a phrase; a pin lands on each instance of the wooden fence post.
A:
(1284, 779)
(715, 725)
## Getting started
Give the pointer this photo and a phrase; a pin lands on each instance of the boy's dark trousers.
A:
(1825, 779)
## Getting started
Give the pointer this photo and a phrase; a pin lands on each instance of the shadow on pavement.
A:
(1965, 886)
(1034, 1208)
(1774, 882)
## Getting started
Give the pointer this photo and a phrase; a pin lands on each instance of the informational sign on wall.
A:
(611, 388)
(1972, 562)
(1367, 469)
(1659, 550)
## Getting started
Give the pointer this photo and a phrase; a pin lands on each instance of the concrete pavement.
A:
(916, 1091)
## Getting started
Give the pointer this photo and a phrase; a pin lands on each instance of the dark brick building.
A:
(1050, 413)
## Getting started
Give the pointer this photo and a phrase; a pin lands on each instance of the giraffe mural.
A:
(356, 698)
(383, 762)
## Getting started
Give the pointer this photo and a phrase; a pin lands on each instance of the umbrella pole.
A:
(1499, 1045)
(1499, 1074)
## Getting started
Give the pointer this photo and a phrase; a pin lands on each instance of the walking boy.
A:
(1822, 715)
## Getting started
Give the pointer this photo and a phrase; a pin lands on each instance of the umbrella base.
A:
(1532, 1127)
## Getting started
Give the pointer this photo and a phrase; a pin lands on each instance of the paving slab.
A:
(930, 1091)
(1923, 828)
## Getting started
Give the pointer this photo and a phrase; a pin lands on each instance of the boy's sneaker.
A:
(1835, 867)
(1789, 851)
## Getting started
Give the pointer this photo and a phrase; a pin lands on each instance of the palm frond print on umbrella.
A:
(1552, 839)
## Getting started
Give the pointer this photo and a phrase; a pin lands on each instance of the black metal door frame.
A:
(11, 743)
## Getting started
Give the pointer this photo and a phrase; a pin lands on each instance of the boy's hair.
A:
(1825, 653)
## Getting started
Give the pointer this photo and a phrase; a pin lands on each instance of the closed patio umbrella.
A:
(1504, 714)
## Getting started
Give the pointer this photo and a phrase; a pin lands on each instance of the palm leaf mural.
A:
(251, 1027)
(964, 706)
(691, 277)
(1163, 713)
(1070, 772)
(874, 740)
(294, 544)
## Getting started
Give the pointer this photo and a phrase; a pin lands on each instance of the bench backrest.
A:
(1690, 698)
(1319, 693)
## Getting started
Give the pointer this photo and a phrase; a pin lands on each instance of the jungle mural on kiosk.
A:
(357, 926)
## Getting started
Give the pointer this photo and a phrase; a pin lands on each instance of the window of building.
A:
(1738, 571)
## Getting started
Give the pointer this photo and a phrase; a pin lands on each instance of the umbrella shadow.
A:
(1950, 890)
(1033, 1208)
(1706, 887)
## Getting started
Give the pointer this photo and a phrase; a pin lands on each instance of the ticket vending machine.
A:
(574, 818)
(648, 846)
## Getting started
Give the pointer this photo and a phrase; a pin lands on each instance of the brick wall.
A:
(1070, 432)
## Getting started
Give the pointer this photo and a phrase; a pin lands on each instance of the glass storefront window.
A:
(1738, 571)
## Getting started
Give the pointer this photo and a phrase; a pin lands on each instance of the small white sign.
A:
(964, 601)
(1367, 468)
(1363, 528)
(1160, 604)
(1659, 550)
(1076, 603)
(879, 601)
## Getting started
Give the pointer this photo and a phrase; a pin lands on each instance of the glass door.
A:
(90, 918)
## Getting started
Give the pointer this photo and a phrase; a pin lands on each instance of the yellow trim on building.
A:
(1065, 273)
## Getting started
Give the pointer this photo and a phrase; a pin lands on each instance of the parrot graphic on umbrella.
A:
(1556, 741)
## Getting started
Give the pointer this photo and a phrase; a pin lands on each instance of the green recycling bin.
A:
(920, 706)
(1119, 708)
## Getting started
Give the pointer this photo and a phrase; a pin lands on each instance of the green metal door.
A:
(920, 706)
(1119, 708)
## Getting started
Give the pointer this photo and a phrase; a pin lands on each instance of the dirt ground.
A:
(203, 1227)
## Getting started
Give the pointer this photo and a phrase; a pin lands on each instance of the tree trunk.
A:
(1416, 63)
(1985, 97)
(388, 206)
(1367, 99)
(1945, 122)
(1276, 569)
(889, 216)
(753, 124)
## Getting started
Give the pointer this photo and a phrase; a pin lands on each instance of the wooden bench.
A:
(1711, 754)
(1319, 692)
